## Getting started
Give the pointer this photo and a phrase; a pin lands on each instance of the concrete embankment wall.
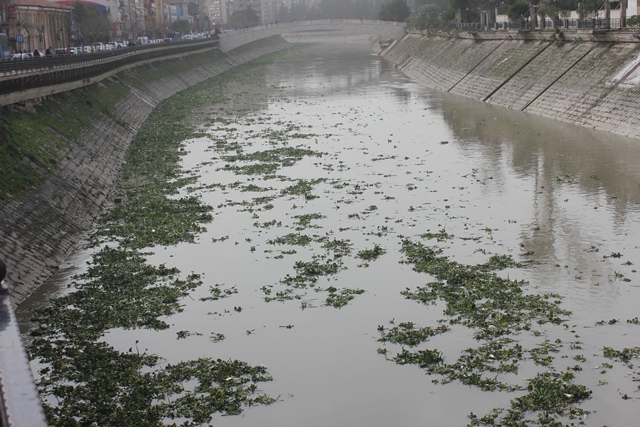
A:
(588, 83)
(40, 228)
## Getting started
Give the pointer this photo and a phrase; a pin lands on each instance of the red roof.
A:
(42, 3)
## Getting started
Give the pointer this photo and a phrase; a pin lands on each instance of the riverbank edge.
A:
(41, 227)
(586, 81)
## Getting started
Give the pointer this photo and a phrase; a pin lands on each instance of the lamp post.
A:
(18, 31)
(41, 36)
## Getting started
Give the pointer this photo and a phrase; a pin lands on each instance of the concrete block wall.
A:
(567, 81)
(583, 97)
(539, 74)
(500, 62)
(41, 228)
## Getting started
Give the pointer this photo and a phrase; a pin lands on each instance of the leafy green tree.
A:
(427, 16)
(589, 8)
(518, 10)
(396, 10)
(92, 25)
(181, 26)
(244, 18)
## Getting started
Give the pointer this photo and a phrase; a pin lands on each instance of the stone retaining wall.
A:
(40, 229)
(570, 81)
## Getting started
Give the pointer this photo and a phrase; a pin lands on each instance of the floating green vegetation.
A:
(152, 219)
(218, 292)
(440, 236)
(371, 254)
(310, 271)
(625, 355)
(83, 380)
(268, 224)
(285, 156)
(304, 221)
(262, 200)
(551, 395)
(339, 247)
(496, 309)
(407, 334)
(253, 169)
(340, 299)
(255, 188)
(478, 298)
(294, 239)
(92, 382)
(216, 337)
(184, 334)
(302, 188)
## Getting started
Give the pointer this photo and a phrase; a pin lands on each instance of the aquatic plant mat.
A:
(248, 206)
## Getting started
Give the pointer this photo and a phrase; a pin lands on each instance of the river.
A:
(392, 161)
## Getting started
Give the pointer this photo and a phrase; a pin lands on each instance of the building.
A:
(256, 5)
(218, 12)
(632, 10)
(269, 11)
(176, 10)
(36, 24)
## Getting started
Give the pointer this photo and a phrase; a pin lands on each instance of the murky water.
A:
(398, 161)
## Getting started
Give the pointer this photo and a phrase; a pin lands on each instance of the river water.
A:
(398, 161)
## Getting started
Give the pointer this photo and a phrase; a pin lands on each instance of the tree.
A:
(181, 26)
(397, 10)
(193, 9)
(589, 8)
(427, 16)
(518, 10)
(92, 26)
(244, 18)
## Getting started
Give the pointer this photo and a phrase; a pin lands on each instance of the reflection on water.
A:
(399, 161)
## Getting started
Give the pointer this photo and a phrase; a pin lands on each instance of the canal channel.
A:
(395, 255)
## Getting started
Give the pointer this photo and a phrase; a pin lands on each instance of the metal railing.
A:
(49, 72)
(19, 401)
(13, 67)
(593, 24)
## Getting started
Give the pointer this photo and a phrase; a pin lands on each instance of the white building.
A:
(632, 10)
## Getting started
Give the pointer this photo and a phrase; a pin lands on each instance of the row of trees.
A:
(92, 26)
(430, 13)
(417, 13)
(433, 13)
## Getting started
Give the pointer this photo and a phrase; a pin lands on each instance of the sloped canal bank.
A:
(330, 222)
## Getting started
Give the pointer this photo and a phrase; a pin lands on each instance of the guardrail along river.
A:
(387, 254)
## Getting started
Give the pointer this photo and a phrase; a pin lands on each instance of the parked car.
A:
(21, 56)
(98, 46)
